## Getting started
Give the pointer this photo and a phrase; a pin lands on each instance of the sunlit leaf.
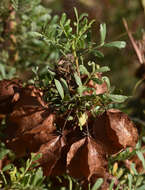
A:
(35, 34)
(141, 157)
(63, 18)
(83, 70)
(82, 16)
(83, 119)
(78, 79)
(103, 69)
(130, 181)
(103, 32)
(98, 184)
(117, 98)
(117, 44)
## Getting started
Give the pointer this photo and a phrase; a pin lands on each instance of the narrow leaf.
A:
(76, 13)
(65, 86)
(103, 69)
(82, 16)
(117, 98)
(98, 54)
(112, 184)
(7, 167)
(129, 181)
(63, 19)
(78, 79)
(103, 32)
(35, 34)
(117, 44)
(134, 169)
(141, 157)
(83, 70)
(59, 88)
(98, 184)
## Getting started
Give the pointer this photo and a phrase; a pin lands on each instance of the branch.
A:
(136, 48)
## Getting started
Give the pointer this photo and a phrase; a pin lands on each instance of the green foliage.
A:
(72, 41)
(25, 177)
(129, 178)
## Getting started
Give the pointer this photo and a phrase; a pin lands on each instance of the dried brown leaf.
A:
(30, 123)
(51, 154)
(9, 94)
(121, 130)
(31, 140)
(85, 159)
(115, 130)
(29, 113)
(100, 133)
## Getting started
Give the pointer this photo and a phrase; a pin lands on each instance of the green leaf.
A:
(3, 153)
(134, 169)
(51, 72)
(83, 70)
(103, 69)
(35, 157)
(117, 98)
(37, 178)
(63, 19)
(106, 79)
(103, 32)
(78, 79)
(141, 157)
(98, 184)
(76, 13)
(141, 188)
(140, 180)
(7, 167)
(81, 89)
(59, 88)
(35, 34)
(67, 23)
(117, 44)
(65, 86)
(82, 16)
(98, 53)
(112, 184)
(130, 181)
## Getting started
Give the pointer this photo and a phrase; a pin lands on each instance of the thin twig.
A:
(66, 120)
(138, 53)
